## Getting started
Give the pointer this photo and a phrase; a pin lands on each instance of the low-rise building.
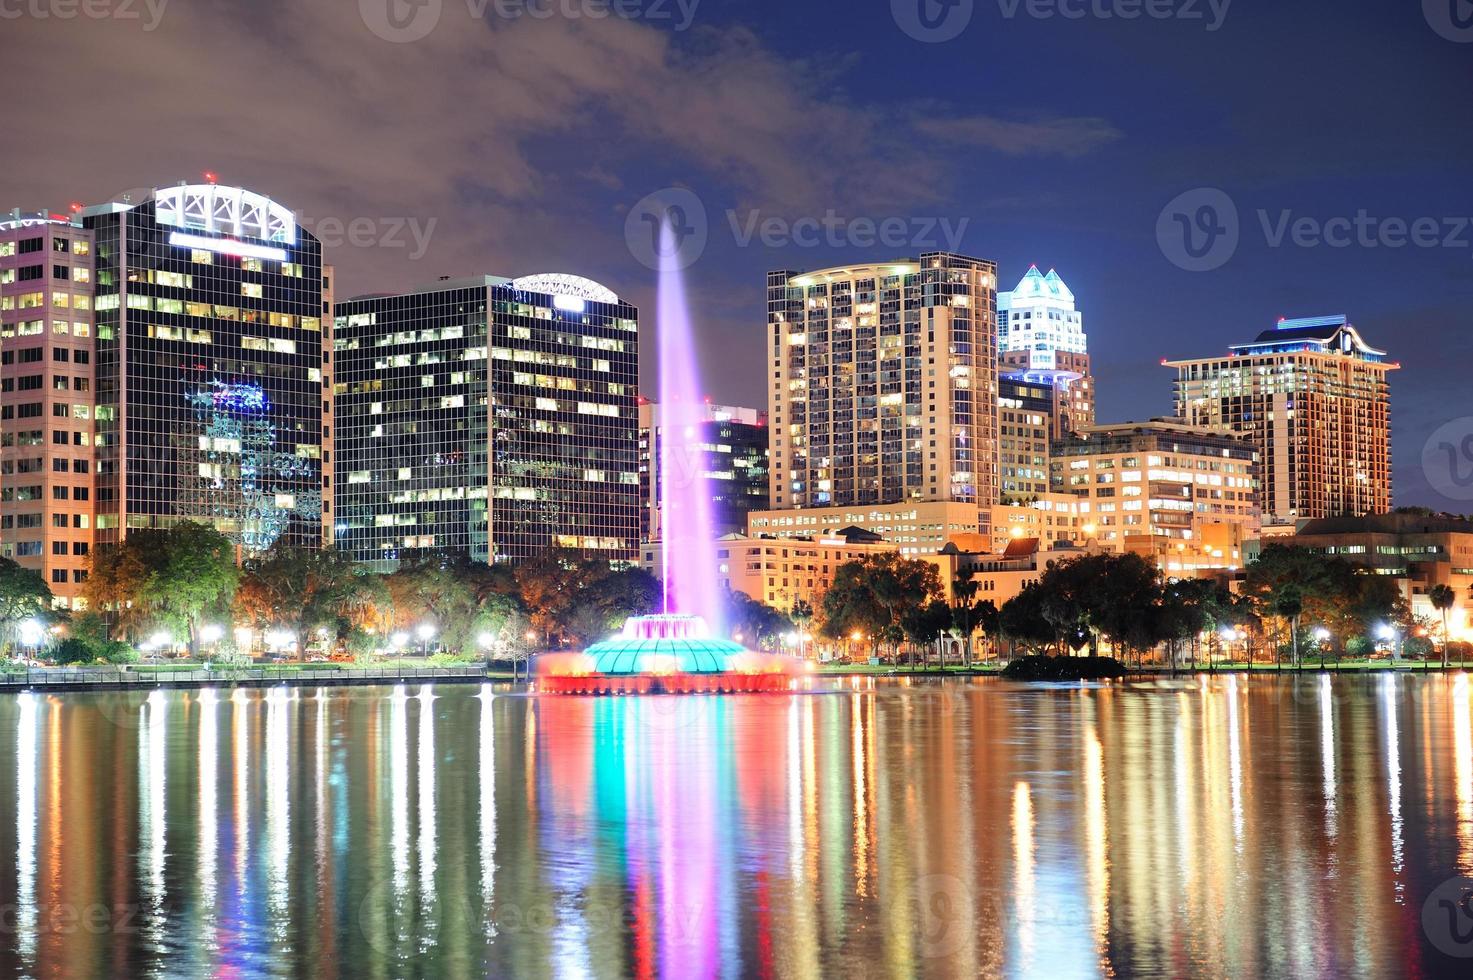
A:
(1416, 549)
(781, 570)
(914, 527)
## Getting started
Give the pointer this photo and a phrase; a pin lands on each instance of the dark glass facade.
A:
(488, 416)
(209, 367)
(733, 448)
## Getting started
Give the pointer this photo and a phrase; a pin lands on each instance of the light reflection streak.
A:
(487, 773)
(426, 777)
(1096, 829)
(209, 825)
(399, 801)
(26, 750)
(241, 763)
(856, 749)
(278, 803)
(1327, 753)
(1023, 872)
(152, 829)
(1463, 766)
(1235, 761)
(1393, 773)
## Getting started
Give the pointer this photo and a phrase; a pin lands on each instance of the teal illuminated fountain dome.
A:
(666, 644)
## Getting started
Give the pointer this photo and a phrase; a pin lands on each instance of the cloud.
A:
(1070, 137)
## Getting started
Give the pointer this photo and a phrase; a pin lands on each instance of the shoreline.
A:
(92, 679)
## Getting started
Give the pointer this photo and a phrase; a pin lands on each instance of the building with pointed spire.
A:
(1041, 340)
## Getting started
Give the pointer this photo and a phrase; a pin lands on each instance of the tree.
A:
(1021, 619)
(24, 595)
(870, 596)
(172, 577)
(1443, 598)
(924, 624)
(760, 626)
(964, 588)
(302, 590)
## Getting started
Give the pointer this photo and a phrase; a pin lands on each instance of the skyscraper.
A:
(1314, 400)
(1041, 340)
(208, 366)
(732, 449)
(486, 415)
(46, 390)
(883, 384)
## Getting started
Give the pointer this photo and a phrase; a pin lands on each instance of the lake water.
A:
(1205, 827)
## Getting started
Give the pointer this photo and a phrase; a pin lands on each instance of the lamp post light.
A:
(1322, 637)
(162, 641)
(397, 640)
(31, 634)
(1392, 636)
(426, 633)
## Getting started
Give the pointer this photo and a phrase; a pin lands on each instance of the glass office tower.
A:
(208, 366)
(487, 415)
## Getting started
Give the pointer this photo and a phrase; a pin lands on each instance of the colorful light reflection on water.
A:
(864, 828)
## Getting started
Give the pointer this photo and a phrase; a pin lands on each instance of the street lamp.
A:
(162, 640)
(31, 632)
(426, 633)
(212, 633)
(1390, 634)
(398, 639)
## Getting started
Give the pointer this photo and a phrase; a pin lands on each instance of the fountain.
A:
(677, 650)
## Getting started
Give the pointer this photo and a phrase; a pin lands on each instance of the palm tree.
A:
(1442, 598)
(1289, 603)
(965, 589)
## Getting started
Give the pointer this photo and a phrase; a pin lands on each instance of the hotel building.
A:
(208, 398)
(487, 415)
(1313, 399)
(1041, 340)
(912, 528)
(47, 385)
(1184, 496)
(732, 457)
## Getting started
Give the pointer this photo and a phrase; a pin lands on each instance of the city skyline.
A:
(1189, 115)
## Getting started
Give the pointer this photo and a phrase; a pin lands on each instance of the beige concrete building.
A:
(1314, 400)
(47, 395)
(1052, 518)
(1182, 495)
(913, 528)
(1415, 549)
(883, 384)
(779, 571)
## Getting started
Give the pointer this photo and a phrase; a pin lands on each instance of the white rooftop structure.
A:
(1039, 316)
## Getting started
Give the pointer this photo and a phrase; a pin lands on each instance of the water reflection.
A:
(954, 829)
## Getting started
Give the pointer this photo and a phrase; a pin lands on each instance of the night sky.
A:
(513, 144)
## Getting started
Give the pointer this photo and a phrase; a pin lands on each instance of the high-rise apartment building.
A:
(47, 469)
(883, 384)
(208, 400)
(487, 415)
(1183, 495)
(1041, 340)
(730, 453)
(1024, 433)
(1314, 400)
